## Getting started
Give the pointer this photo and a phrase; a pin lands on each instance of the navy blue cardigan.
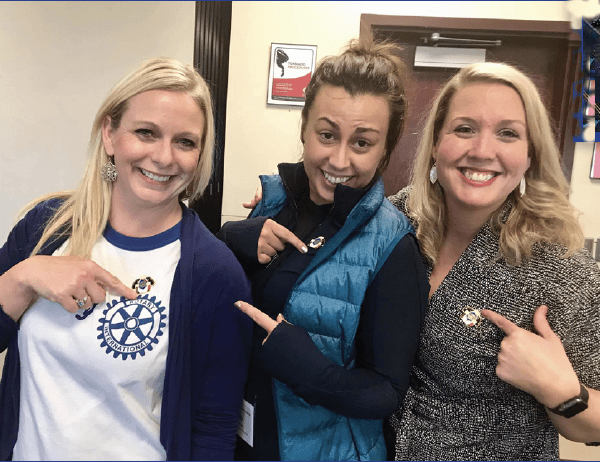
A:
(209, 342)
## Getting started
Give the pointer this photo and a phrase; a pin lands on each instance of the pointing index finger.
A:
(500, 321)
(113, 285)
(260, 318)
(287, 236)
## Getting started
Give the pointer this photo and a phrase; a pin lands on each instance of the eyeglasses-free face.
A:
(344, 140)
(482, 149)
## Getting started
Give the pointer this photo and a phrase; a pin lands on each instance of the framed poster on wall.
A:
(595, 172)
(290, 70)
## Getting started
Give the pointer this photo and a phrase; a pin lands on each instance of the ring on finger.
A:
(81, 301)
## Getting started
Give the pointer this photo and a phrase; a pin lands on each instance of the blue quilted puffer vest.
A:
(326, 301)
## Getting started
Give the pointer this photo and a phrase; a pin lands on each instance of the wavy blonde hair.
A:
(542, 214)
(84, 212)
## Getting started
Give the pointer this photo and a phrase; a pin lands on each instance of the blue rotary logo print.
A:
(130, 327)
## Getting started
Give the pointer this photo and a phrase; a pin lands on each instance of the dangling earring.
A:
(109, 172)
(522, 186)
(433, 174)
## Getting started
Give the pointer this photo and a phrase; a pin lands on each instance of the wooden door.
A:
(545, 50)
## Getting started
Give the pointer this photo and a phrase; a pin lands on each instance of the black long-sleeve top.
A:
(387, 337)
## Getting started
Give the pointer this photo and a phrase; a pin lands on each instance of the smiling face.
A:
(344, 141)
(482, 149)
(156, 149)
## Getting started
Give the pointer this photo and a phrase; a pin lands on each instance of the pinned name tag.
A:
(246, 426)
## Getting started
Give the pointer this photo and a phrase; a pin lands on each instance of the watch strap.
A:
(574, 405)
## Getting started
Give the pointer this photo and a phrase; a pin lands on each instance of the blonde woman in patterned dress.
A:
(509, 355)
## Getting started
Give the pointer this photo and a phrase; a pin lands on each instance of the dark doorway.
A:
(546, 50)
(211, 59)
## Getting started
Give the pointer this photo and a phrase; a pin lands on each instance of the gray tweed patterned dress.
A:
(456, 407)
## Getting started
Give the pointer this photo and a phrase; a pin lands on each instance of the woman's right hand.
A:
(63, 280)
(273, 238)
(255, 200)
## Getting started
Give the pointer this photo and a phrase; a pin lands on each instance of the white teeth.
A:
(154, 177)
(476, 176)
(336, 179)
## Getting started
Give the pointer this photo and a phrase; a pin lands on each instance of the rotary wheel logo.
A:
(130, 327)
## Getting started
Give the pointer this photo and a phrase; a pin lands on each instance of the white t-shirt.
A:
(92, 382)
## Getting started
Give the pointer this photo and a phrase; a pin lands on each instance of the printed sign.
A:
(290, 71)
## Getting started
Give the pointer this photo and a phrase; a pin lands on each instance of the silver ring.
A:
(81, 301)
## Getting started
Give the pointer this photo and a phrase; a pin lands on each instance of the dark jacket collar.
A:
(344, 197)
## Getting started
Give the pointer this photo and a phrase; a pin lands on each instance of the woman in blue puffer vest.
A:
(336, 273)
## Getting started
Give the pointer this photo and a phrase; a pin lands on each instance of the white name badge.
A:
(246, 427)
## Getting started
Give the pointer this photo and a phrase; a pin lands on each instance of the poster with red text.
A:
(290, 71)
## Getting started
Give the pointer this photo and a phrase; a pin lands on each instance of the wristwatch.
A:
(573, 406)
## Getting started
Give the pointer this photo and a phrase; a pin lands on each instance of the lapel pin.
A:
(316, 242)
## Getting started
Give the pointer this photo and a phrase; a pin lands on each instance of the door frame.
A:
(212, 35)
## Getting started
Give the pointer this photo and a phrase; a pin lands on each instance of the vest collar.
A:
(345, 198)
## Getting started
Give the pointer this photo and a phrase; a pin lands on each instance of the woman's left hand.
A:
(260, 318)
(536, 364)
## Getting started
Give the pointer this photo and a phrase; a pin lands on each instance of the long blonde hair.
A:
(84, 212)
(542, 214)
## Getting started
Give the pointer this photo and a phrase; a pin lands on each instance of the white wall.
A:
(58, 60)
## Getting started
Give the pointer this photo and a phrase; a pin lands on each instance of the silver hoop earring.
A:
(522, 186)
(433, 174)
(109, 172)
